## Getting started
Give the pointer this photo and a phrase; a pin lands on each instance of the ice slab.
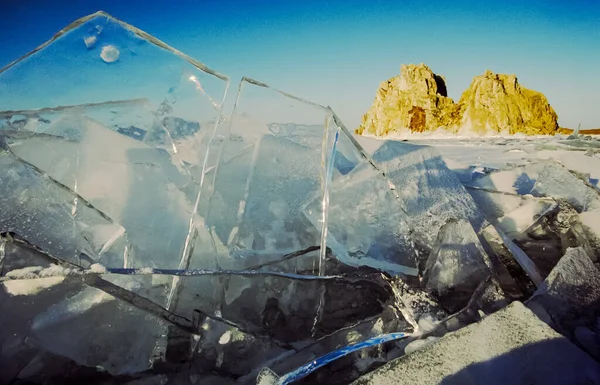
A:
(146, 68)
(367, 223)
(120, 121)
(55, 218)
(456, 265)
(289, 176)
(558, 182)
(431, 194)
(62, 315)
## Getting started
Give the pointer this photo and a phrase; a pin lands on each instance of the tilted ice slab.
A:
(430, 193)
(104, 132)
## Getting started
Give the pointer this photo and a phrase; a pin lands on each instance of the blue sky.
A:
(337, 52)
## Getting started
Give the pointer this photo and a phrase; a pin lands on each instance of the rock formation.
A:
(417, 101)
(499, 103)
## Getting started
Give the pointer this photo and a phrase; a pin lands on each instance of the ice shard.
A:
(58, 313)
(104, 132)
(55, 218)
(287, 178)
(121, 122)
(456, 265)
(430, 192)
(557, 181)
(367, 222)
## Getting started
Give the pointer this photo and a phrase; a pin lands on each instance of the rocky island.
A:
(417, 101)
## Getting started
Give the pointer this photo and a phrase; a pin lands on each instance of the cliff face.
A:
(499, 103)
(417, 101)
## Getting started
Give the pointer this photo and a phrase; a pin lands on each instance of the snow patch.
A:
(30, 286)
(33, 272)
(97, 268)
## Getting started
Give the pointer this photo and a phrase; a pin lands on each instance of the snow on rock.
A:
(570, 295)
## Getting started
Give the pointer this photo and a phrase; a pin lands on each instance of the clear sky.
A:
(336, 52)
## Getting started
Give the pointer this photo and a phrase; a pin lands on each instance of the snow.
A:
(33, 272)
(225, 338)
(520, 161)
(97, 268)
(30, 286)
(591, 219)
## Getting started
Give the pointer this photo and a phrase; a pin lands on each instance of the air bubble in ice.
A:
(110, 54)
(90, 41)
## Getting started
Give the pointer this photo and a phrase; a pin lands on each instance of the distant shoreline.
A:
(592, 131)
